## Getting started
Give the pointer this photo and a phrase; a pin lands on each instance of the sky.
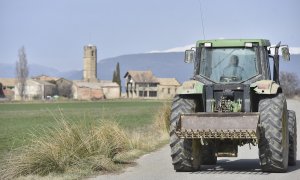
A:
(54, 32)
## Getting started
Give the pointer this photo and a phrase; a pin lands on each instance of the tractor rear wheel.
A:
(274, 135)
(292, 138)
(185, 153)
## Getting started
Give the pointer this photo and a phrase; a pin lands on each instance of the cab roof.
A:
(233, 42)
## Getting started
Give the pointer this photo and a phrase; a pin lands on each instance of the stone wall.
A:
(86, 93)
(111, 92)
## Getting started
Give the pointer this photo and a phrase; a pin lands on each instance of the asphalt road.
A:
(157, 165)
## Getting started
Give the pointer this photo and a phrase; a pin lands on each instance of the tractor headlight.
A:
(207, 44)
(248, 44)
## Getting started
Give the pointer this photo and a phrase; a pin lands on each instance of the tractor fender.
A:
(190, 87)
(266, 87)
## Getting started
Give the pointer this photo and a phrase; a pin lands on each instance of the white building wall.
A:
(32, 90)
(111, 92)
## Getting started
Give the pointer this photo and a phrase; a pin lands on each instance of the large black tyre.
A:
(274, 137)
(182, 149)
(292, 138)
(208, 154)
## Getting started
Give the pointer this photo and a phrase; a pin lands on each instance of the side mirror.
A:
(285, 53)
(189, 56)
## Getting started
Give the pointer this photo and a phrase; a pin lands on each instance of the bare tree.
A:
(22, 72)
(289, 83)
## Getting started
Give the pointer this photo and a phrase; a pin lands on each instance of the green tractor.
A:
(232, 101)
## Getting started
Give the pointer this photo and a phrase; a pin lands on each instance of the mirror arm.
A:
(276, 64)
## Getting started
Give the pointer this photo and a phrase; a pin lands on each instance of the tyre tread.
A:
(273, 148)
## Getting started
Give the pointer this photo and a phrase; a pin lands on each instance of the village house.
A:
(83, 90)
(143, 84)
(111, 90)
(64, 87)
(167, 88)
(44, 77)
(36, 89)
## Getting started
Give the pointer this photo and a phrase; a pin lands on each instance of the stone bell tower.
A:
(90, 63)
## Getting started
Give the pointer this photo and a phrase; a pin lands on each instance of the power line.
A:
(202, 22)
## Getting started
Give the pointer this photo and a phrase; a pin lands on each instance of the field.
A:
(18, 120)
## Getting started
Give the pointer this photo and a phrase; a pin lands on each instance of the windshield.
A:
(228, 64)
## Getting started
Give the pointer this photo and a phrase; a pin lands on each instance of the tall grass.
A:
(152, 137)
(162, 118)
(84, 149)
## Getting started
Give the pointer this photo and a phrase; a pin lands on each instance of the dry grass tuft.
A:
(82, 149)
(67, 147)
(162, 118)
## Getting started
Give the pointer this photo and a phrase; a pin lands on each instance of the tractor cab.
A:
(233, 60)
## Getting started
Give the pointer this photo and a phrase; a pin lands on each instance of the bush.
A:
(289, 83)
(37, 97)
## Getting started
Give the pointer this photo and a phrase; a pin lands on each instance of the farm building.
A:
(143, 84)
(64, 87)
(167, 88)
(45, 78)
(36, 89)
(83, 90)
(110, 89)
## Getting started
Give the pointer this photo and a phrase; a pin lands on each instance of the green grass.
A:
(17, 120)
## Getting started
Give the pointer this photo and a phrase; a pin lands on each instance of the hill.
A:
(161, 64)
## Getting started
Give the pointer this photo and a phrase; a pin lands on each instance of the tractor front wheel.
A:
(274, 135)
(185, 153)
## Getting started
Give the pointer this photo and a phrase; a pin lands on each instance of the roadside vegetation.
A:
(71, 149)
(290, 84)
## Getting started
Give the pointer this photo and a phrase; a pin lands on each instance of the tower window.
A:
(92, 52)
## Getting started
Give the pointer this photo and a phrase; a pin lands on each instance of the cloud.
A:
(293, 50)
(176, 49)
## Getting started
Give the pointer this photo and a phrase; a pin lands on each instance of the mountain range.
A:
(166, 64)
